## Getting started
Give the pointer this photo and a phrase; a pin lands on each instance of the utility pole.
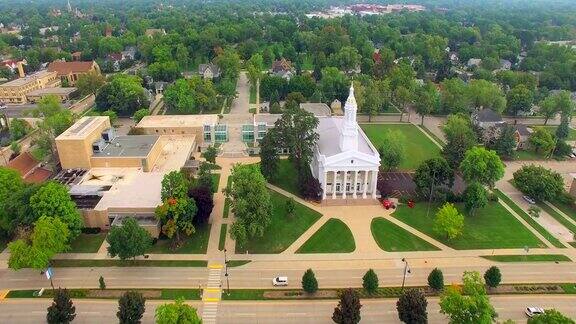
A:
(226, 273)
(406, 271)
(431, 190)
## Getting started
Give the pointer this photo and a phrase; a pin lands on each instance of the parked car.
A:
(280, 281)
(533, 311)
(529, 200)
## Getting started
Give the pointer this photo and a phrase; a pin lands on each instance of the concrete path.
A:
(241, 103)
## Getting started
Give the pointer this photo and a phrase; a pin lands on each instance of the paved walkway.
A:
(241, 103)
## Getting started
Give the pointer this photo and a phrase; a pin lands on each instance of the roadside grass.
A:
(222, 240)
(252, 94)
(227, 200)
(529, 219)
(419, 146)
(164, 294)
(333, 237)
(215, 182)
(429, 132)
(244, 294)
(561, 219)
(570, 211)
(392, 238)
(492, 227)
(237, 263)
(197, 243)
(87, 243)
(74, 263)
(187, 294)
(286, 177)
(283, 230)
(528, 258)
(528, 155)
(571, 134)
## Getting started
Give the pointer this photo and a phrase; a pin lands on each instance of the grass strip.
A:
(237, 263)
(528, 258)
(561, 219)
(549, 237)
(165, 294)
(222, 241)
(72, 263)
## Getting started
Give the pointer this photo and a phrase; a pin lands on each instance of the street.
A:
(24, 311)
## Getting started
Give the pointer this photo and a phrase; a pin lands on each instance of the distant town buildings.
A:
(365, 9)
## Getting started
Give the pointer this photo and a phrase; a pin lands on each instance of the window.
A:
(347, 186)
(338, 187)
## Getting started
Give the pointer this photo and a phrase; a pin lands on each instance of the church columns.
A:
(344, 184)
(365, 187)
(374, 181)
(334, 179)
(354, 184)
(324, 185)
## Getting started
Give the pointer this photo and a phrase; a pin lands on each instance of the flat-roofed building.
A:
(15, 91)
(71, 71)
(63, 94)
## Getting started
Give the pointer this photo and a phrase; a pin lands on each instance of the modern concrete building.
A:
(15, 91)
(63, 94)
(71, 71)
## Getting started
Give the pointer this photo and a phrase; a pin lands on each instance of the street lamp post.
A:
(406, 271)
(226, 273)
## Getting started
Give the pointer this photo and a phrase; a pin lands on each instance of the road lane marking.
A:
(3, 294)
(215, 266)
(296, 314)
(211, 299)
(213, 290)
(245, 314)
(18, 279)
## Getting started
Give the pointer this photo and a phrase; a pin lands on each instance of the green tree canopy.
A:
(469, 304)
(124, 94)
(460, 137)
(538, 182)
(449, 222)
(52, 200)
(129, 240)
(392, 152)
(542, 140)
(370, 281)
(436, 279)
(309, 282)
(433, 173)
(176, 313)
(482, 165)
(348, 309)
(62, 310)
(551, 316)
(131, 308)
(412, 306)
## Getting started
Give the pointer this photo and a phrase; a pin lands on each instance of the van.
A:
(280, 281)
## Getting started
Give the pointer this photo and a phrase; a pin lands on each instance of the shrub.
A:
(436, 279)
(493, 277)
(309, 282)
(370, 281)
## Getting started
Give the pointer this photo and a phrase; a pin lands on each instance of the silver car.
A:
(533, 311)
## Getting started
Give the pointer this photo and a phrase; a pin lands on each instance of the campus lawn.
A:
(528, 258)
(492, 227)
(252, 94)
(283, 230)
(286, 177)
(561, 219)
(222, 239)
(333, 237)
(215, 181)
(87, 243)
(528, 155)
(418, 147)
(197, 243)
(567, 209)
(392, 238)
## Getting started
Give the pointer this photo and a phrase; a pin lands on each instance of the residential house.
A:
(491, 125)
(473, 63)
(71, 71)
(282, 68)
(150, 32)
(29, 168)
(505, 64)
(209, 71)
(77, 56)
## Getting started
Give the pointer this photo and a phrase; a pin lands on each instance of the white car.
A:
(280, 281)
(529, 200)
(533, 311)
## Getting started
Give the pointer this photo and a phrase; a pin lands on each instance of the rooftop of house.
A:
(29, 168)
(174, 121)
(55, 91)
(64, 68)
(330, 129)
(281, 65)
(129, 146)
(213, 67)
(488, 116)
(318, 109)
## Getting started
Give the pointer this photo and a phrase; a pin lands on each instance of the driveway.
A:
(241, 104)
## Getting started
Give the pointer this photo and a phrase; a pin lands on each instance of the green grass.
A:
(492, 227)
(215, 181)
(87, 243)
(561, 219)
(237, 263)
(528, 258)
(571, 134)
(529, 219)
(244, 294)
(567, 209)
(283, 230)
(569, 288)
(528, 155)
(333, 237)
(436, 138)
(222, 241)
(418, 147)
(187, 294)
(286, 177)
(392, 238)
(165, 294)
(72, 263)
(197, 243)
(227, 200)
(252, 94)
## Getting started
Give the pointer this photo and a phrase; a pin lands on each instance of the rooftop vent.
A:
(109, 135)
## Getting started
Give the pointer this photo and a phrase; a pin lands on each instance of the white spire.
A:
(69, 6)
(349, 135)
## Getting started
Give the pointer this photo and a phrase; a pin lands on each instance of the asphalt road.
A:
(245, 277)
(373, 311)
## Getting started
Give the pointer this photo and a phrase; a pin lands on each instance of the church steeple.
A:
(349, 135)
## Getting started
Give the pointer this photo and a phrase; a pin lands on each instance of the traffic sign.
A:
(49, 273)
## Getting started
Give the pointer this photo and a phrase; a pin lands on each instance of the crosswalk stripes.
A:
(212, 294)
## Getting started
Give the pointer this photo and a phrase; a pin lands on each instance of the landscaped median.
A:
(528, 258)
(73, 263)
(160, 294)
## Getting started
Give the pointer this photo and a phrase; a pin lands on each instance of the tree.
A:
(427, 100)
(210, 154)
(505, 144)
(482, 165)
(485, 94)
(269, 154)
(129, 240)
(18, 129)
(392, 151)
(563, 130)
(348, 309)
(296, 130)
(436, 279)
(229, 63)
(519, 99)
(370, 281)
(433, 173)
(102, 283)
(550, 316)
(49, 237)
(131, 308)
(403, 97)
(53, 200)
(309, 282)
(90, 83)
(139, 114)
(538, 182)
(62, 310)
(412, 306)
(454, 97)
(164, 71)
(493, 277)
(56, 120)
(11, 186)
(541, 140)
(124, 94)
(448, 222)
(290, 206)
(111, 114)
(549, 108)
(334, 85)
(469, 304)
(475, 196)
(176, 313)
(255, 66)
(174, 185)
(190, 96)
(460, 138)
(250, 203)
(204, 200)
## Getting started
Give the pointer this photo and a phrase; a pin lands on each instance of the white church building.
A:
(345, 161)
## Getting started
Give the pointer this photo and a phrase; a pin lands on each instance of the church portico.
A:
(345, 162)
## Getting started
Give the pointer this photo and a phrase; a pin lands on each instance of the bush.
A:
(309, 187)
(91, 230)
(436, 279)
(493, 277)
(309, 282)
(370, 281)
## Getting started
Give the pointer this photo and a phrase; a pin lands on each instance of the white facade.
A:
(345, 162)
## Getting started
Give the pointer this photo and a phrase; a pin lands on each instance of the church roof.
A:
(330, 129)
